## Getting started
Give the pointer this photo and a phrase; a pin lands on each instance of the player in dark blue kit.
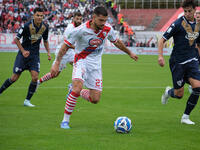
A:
(183, 62)
(28, 55)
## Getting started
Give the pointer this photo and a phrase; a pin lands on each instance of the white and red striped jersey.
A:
(67, 31)
(89, 44)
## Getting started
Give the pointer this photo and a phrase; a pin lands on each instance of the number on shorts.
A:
(99, 83)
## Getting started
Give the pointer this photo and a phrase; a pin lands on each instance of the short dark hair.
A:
(100, 10)
(78, 13)
(189, 3)
(38, 9)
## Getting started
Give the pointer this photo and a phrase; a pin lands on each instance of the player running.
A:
(90, 39)
(69, 56)
(183, 62)
(197, 16)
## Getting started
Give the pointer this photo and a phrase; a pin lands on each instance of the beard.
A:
(77, 24)
(98, 27)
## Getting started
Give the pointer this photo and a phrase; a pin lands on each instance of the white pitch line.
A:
(106, 87)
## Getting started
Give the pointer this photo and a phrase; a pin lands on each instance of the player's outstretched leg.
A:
(5, 85)
(46, 77)
(165, 96)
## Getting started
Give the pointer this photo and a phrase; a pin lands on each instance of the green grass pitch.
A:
(131, 89)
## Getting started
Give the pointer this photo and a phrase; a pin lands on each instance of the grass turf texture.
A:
(131, 89)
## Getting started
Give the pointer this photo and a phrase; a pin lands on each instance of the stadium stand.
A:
(152, 19)
(58, 13)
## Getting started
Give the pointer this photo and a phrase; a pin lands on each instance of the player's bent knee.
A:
(77, 90)
(14, 78)
(196, 91)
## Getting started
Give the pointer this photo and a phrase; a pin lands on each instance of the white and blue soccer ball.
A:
(123, 125)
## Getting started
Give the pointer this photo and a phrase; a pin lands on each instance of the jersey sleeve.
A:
(46, 34)
(21, 32)
(112, 36)
(71, 36)
(170, 31)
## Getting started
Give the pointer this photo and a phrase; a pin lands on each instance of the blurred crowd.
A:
(58, 13)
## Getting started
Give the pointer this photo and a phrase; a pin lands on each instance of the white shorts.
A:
(67, 58)
(92, 78)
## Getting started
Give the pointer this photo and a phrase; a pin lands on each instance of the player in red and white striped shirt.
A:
(90, 38)
(69, 56)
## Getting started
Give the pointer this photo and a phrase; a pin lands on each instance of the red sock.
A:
(46, 77)
(85, 94)
(71, 103)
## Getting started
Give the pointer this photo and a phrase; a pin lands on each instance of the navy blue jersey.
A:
(32, 36)
(185, 35)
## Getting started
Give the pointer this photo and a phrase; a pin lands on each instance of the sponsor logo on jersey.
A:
(35, 37)
(95, 42)
(192, 36)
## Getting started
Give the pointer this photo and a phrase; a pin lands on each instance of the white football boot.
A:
(185, 120)
(165, 96)
(28, 103)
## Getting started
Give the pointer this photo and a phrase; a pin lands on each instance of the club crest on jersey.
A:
(95, 42)
(180, 82)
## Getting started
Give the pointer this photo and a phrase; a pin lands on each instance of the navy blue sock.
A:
(5, 85)
(31, 90)
(171, 93)
(191, 103)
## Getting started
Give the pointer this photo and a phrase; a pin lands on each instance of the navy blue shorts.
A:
(30, 63)
(182, 72)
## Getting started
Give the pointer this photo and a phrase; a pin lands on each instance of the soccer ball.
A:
(122, 125)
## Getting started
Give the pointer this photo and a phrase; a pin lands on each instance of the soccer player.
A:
(28, 55)
(90, 39)
(183, 61)
(69, 56)
(197, 16)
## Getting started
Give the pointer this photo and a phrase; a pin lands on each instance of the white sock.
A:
(66, 117)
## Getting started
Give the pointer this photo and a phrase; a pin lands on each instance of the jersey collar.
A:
(35, 25)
